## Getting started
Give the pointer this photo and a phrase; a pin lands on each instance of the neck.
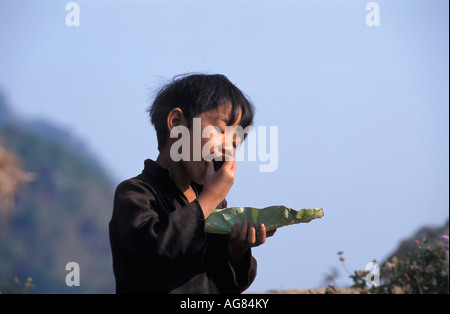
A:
(176, 171)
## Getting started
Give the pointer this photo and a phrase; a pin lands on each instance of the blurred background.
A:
(362, 115)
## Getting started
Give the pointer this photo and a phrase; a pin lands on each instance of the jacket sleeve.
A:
(228, 277)
(150, 232)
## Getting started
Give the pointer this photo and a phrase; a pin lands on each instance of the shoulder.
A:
(145, 181)
(134, 186)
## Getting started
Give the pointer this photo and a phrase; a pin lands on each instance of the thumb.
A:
(209, 168)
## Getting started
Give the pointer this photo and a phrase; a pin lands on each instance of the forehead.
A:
(223, 113)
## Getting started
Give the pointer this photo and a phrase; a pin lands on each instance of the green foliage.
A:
(423, 271)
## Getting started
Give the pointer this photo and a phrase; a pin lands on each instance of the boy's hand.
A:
(238, 244)
(216, 185)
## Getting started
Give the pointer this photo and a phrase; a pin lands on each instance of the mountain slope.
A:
(61, 216)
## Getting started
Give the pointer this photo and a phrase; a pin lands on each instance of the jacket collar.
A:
(160, 174)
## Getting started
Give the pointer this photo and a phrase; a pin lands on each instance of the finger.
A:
(251, 236)
(231, 164)
(270, 233)
(243, 234)
(262, 234)
(234, 166)
(234, 230)
(209, 167)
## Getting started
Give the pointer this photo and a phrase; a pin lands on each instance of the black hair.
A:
(194, 94)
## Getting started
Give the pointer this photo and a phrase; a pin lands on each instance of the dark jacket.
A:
(159, 244)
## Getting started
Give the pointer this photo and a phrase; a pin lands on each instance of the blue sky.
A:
(362, 112)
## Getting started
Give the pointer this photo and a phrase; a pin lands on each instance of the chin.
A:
(201, 182)
(198, 174)
(198, 178)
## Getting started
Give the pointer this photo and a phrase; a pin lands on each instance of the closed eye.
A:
(218, 129)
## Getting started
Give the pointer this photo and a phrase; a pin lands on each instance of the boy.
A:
(157, 232)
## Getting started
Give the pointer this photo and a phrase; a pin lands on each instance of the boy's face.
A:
(213, 140)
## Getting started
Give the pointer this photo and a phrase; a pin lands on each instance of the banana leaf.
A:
(221, 221)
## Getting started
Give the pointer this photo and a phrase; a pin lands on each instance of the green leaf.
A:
(222, 220)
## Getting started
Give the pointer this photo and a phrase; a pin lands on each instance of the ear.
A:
(175, 118)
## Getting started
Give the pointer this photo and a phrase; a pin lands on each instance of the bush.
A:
(423, 271)
(13, 285)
